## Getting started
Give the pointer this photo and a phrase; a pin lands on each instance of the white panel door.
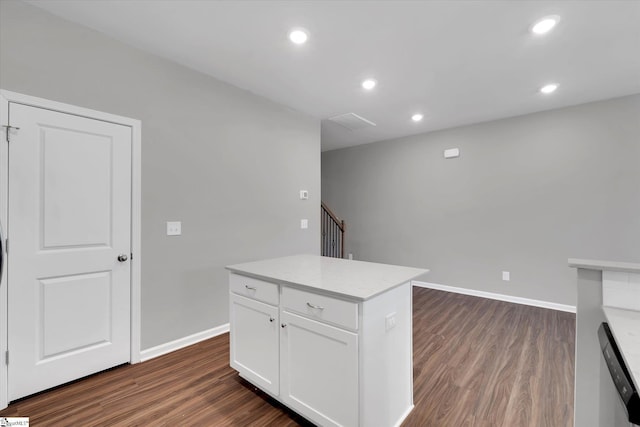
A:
(254, 342)
(319, 370)
(69, 220)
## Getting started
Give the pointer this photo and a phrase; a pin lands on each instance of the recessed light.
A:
(544, 25)
(550, 88)
(417, 117)
(369, 84)
(298, 36)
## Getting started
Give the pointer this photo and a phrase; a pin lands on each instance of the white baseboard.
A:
(499, 297)
(404, 416)
(165, 348)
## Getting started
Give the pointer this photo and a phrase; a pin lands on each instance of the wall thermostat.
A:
(451, 153)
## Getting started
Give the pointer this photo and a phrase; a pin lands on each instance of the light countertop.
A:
(589, 264)
(625, 326)
(357, 280)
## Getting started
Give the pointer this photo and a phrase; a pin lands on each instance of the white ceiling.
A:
(458, 62)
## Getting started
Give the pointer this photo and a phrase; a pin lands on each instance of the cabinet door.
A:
(254, 342)
(319, 370)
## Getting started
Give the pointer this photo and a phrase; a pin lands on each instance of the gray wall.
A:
(526, 194)
(225, 162)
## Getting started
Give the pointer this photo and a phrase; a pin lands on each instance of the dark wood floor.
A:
(477, 362)
(480, 362)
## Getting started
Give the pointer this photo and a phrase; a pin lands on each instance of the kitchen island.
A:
(329, 338)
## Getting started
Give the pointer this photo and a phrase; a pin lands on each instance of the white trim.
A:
(499, 297)
(406, 413)
(136, 240)
(165, 348)
(33, 101)
(136, 200)
(4, 297)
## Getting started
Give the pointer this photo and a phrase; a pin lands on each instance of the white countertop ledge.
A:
(625, 326)
(357, 280)
(629, 267)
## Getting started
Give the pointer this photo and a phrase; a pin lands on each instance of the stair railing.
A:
(332, 233)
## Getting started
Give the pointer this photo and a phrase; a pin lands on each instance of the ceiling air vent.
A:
(351, 121)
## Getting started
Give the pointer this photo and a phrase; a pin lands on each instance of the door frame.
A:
(7, 97)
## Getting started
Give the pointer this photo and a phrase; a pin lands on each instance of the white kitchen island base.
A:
(329, 338)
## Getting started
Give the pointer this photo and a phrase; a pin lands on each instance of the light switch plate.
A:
(174, 228)
(506, 276)
(304, 194)
(304, 223)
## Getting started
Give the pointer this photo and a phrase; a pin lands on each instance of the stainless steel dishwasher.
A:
(622, 410)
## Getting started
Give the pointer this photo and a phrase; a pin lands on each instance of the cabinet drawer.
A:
(321, 307)
(254, 288)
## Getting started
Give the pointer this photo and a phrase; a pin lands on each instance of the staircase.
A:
(332, 230)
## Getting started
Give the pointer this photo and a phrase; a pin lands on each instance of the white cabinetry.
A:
(318, 361)
(338, 361)
(254, 330)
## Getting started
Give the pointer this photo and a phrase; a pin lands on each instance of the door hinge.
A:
(8, 130)
(6, 357)
(6, 246)
(131, 257)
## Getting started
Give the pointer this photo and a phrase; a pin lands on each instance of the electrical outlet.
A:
(506, 276)
(390, 321)
(350, 256)
(174, 228)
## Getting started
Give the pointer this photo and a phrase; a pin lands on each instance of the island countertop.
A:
(357, 280)
(589, 264)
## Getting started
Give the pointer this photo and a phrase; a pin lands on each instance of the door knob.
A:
(122, 257)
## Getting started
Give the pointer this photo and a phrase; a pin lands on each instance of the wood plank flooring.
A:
(477, 362)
